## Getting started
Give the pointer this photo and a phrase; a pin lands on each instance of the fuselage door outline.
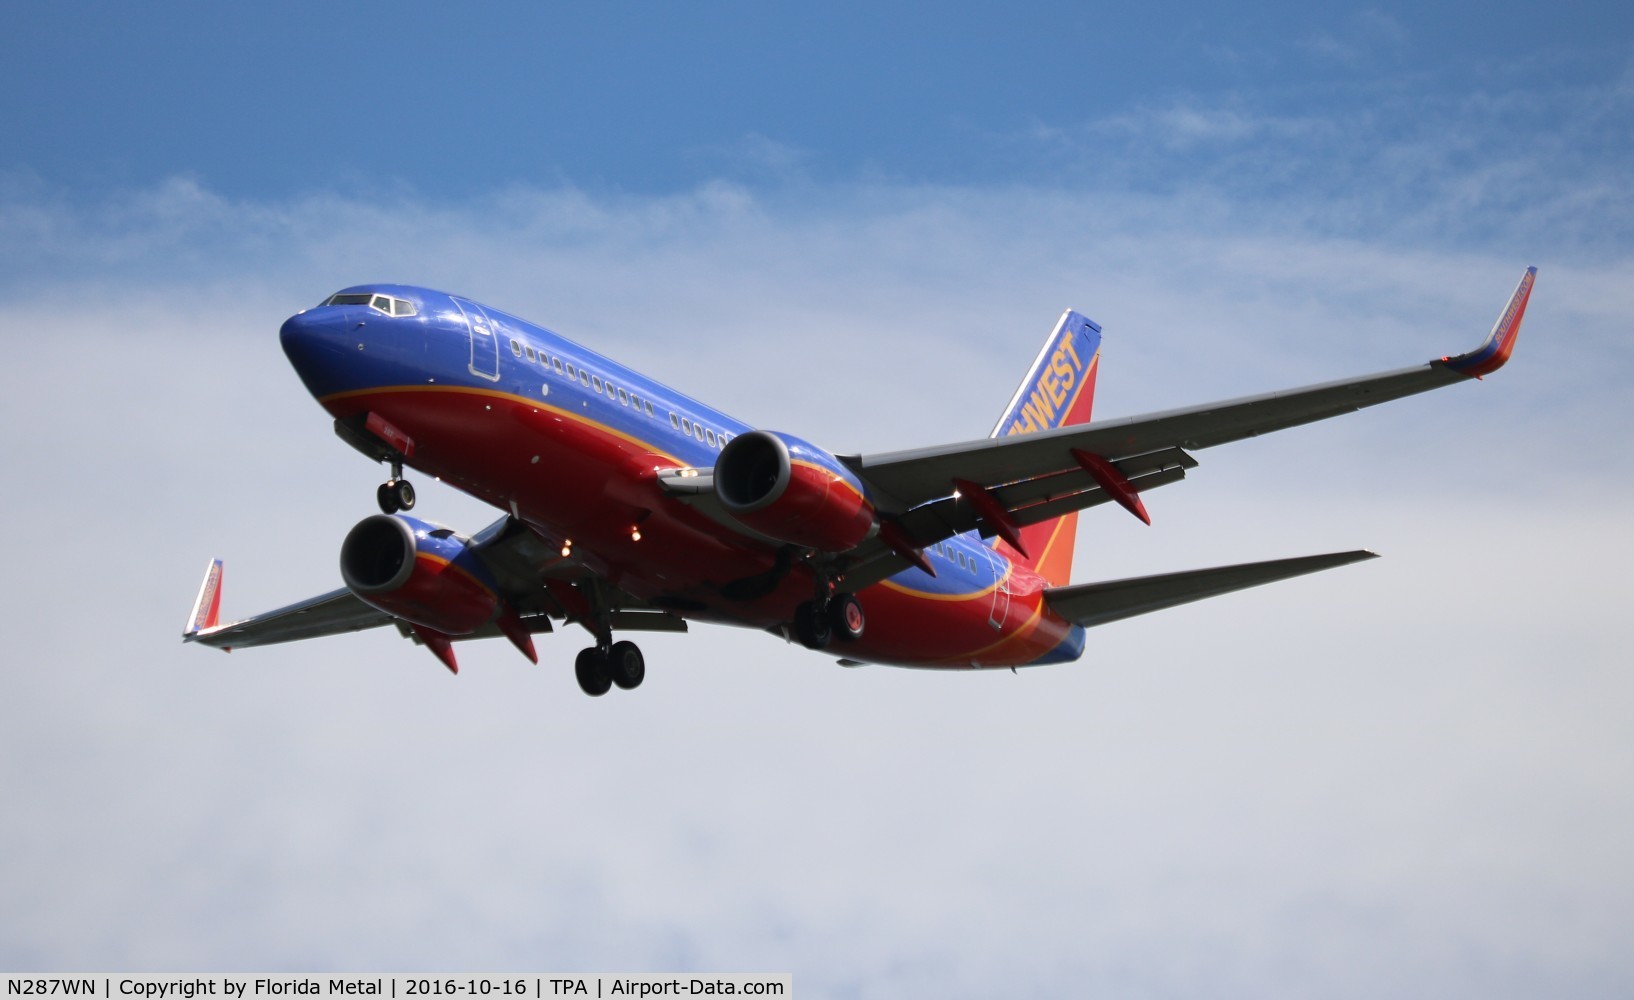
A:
(1001, 589)
(484, 340)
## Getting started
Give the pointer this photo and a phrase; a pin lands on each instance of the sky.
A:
(855, 223)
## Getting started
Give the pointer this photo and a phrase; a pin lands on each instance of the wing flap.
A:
(1092, 604)
(1043, 497)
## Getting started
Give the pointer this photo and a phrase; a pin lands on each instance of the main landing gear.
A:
(599, 667)
(396, 493)
(817, 623)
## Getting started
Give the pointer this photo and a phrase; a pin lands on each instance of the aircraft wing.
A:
(533, 579)
(1025, 470)
(327, 614)
(1091, 604)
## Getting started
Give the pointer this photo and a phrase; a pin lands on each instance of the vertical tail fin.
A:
(1059, 391)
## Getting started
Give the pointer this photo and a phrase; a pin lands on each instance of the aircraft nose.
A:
(314, 341)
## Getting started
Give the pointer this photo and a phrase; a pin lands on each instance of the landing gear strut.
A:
(396, 493)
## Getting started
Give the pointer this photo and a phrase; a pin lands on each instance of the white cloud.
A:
(1396, 160)
(1387, 778)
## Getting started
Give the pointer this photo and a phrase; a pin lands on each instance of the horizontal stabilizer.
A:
(1091, 604)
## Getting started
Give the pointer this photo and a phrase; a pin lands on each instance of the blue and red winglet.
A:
(1492, 353)
(207, 607)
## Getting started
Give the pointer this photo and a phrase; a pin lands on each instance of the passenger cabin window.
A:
(556, 363)
(674, 422)
(623, 398)
(595, 383)
(530, 352)
(571, 372)
(709, 437)
(584, 378)
(516, 348)
(686, 425)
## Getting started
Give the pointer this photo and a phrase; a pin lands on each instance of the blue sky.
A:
(657, 98)
(1410, 777)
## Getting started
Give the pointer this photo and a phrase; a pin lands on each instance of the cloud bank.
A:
(1406, 777)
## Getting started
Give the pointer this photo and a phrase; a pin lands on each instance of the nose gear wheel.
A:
(396, 493)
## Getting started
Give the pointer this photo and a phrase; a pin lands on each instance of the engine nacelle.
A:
(792, 491)
(418, 572)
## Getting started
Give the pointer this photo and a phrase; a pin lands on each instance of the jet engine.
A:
(419, 572)
(792, 491)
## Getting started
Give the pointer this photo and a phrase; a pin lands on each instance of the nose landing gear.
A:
(396, 493)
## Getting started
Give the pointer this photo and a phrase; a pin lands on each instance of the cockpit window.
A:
(348, 300)
(390, 305)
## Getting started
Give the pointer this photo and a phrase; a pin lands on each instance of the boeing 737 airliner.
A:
(629, 506)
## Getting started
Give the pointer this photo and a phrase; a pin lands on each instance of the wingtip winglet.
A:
(1495, 350)
(207, 606)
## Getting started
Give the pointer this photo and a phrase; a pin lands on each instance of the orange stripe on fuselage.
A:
(460, 390)
(1023, 631)
(836, 477)
(917, 621)
(440, 564)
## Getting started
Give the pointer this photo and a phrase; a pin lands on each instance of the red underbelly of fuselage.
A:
(578, 481)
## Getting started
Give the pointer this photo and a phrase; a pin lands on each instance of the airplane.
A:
(629, 507)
